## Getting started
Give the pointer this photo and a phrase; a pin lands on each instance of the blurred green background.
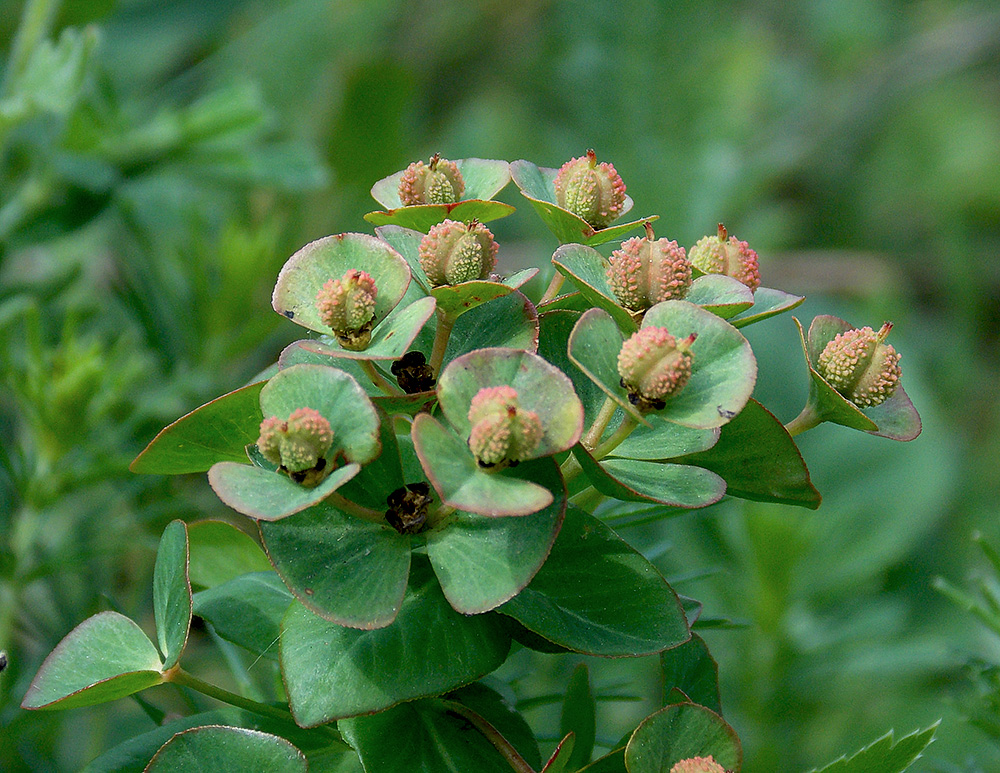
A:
(160, 160)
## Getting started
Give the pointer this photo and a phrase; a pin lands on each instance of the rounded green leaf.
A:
(691, 669)
(220, 552)
(269, 496)
(482, 562)
(598, 596)
(537, 185)
(305, 273)
(758, 460)
(463, 484)
(423, 217)
(681, 732)
(767, 302)
(896, 418)
(553, 345)
(216, 432)
(633, 480)
(586, 268)
(484, 178)
(246, 610)
(347, 570)
(723, 369)
(332, 671)
(406, 241)
(226, 750)
(663, 439)
(541, 388)
(296, 353)
(172, 593)
(508, 321)
(337, 397)
(722, 295)
(105, 657)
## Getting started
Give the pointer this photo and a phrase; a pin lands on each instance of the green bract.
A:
(433, 478)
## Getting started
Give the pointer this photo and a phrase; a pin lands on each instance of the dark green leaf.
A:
(220, 552)
(612, 762)
(105, 657)
(246, 610)
(332, 672)
(598, 596)
(681, 732)
(586, 268)
(490, 705)
(691, 669)
(172, 593)
(347, 570)
(663, 439)
(561, 755)
(553, 345)
(218, 431)
(509, 321)
(219, 748)
(579, 716)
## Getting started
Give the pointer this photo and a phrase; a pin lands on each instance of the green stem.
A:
(501, 744)
(378, 379)
(808, 419)
(628, 424)
(553, 289)
(593, 436)
(445, 322)
(179, 676)
(366, 513)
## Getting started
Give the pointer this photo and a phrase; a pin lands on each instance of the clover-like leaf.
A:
(227, 748)
(484, 179)
(767, 302)
(332, 671)
(172, 593)
(463, 484)
(680, 732)
(246, 610)
(482, 562)
(216, 432)
(537, 185)
(265, 495)
(634, 480)
(895, 419)
(105, 657)
(598, 596)
(347, 570)
(305, 273)
(720, 294)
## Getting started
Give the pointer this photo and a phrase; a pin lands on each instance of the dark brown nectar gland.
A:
(408, 505)
(312, 477)
(412, 373)
(355, 340)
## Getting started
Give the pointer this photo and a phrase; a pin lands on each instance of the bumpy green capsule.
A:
(453, 252)
(654, 366)
(297, 444)
(502, 431)
(698, 765)
(438, 182)
(646, 271)
(347, 307)
(859, 365)
(591, 191)
(725, 254)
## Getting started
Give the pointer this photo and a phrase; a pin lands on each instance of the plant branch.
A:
(378, 379)
(353, 508)
(628, 424)
(593, 436)
(808, 419)
(180, 677)
(553, 289)
(445, 323)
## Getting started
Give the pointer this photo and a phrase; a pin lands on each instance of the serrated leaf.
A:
(105, 657)
(172, 593)
(246, 610)
(680, 732)
(216, 432)
(886, 755)
(222, 748)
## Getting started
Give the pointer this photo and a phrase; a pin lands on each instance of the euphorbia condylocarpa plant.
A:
(428, 468)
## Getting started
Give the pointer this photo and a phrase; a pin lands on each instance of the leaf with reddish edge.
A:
(758, 460)
(510, 321)
(722, 295)
(537, 185)
(105, 657)
(172, 593)
(216, 432)
(484, 178)
(680, 732)
(461, 483)
(390, 339)
(767, 303)
(305, 273)
(586, 268)
(482, 562)
(896, 418)
(634, 480)
(347, 570)
(691, 669)
(561, 755)
(270, 496)
(541, 388)
(423, 217)
(214, 747)
(598, 596)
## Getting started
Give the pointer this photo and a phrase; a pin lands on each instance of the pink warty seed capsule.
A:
(860, 366)
(591, 191)
(347, 304)
(454, 252)
(654, 365)
(724, 254)
(646, 271)
(502, 431)
(438, 182)
(296, 443)
(698, 765)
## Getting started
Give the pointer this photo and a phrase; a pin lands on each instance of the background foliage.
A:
(159, 161)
